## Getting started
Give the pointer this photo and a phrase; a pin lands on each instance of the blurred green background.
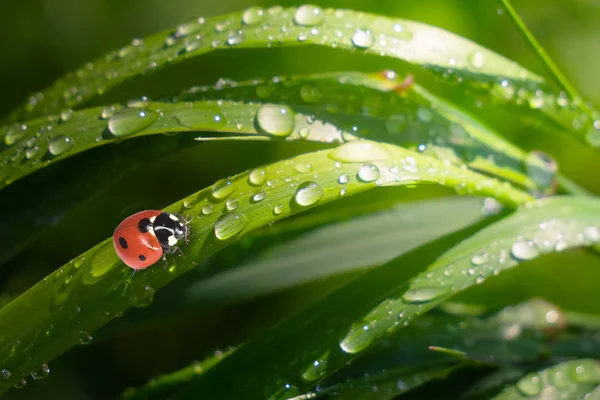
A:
(41, 40)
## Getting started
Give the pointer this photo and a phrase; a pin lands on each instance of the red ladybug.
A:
(144, 238)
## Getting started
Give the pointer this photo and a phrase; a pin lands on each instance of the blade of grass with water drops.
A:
(567, 380)
(70, 304)
(446, 55)
(378, 303)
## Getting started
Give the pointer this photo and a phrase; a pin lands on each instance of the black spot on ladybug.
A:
(123, 242)
(142, 257)
(144, 224)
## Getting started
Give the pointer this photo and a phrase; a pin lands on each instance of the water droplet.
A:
(257, 177)
(524, 250)
(308, 15)
(85, 338)
(229, 225)
(368, 173)
(530, 386)
(130, 120)
(397, 28)
(60, 145)
(30, 152)
(4, 374)
(259, 196)
(207, 209)
(303, 168)
(424, 114)
(343, 179)
(142, 296)
(592, 233)
(316, 369)
(477, 59)
(253, 16)
(363, 38)
(359, 151)
(139, 102)
(310, 93)
(308, 193)
(235, 38)
(108, 112)
(20, 384)
(222, 189)
(196, 119)
(66, 115)
(423, 294)
(359, 337)
(232, 204)
(278, 209)
(193, 26)
(14, 133)
(41, 373)
(480, 258)
(275, 119)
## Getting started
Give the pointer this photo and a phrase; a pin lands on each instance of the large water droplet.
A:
(524, 250)
(363, 38)
(368, 173)
(308, 15)
(200, 120)
(130, 120)
(423, 294)
(275, 119)
(257, 177)
(358, 338)
(308, 193)
(222, 189)
(60, 145)
(359, 151)
(142, 296)
(253, 16)
(530, 386)
(41, 373)
(229, 225)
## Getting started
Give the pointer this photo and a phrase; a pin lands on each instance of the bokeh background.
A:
(42, 39)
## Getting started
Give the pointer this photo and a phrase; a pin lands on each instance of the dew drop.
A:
(308, 15)
(480, 258)
(130, 120)
(363, 38)
(235, 38)
(222, 189)
(303, 168)
(310, 93)
(66, 115)
(524, 250)
(592, 233)
(316, 369)
(21, 383)
(30, 152)
(41, 373)
(359, 337)
(142, 296)
(368, 173)
(108, 112)
(4, 374)
(85, 338)
(253, 16)
(14, 133)
(359, 151)
(60, 145)
(207, 209)
(193, 26)
(424, 114)
(423, 294)
(275, 119)
(232, 204)
(259, 196)
(343, 179)
(139, 102)
(308, 193)
(476, 59)
(530, 386)
(229, 225)
(278, 209)
(257, 177)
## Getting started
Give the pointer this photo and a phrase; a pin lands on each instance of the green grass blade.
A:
(448, 56)
(327, 108)
(96, 286)
(568, 380)
(378, 303)
(359, 243)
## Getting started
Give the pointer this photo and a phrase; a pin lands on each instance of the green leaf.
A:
(447, 56)
(95, 287)
(568, 380)
(378, 303)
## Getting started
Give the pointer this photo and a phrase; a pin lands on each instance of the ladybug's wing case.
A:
(134, 242)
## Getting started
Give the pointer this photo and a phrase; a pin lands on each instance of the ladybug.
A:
(144, 238)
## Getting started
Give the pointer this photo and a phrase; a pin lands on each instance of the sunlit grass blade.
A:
(324, 108)
(363, 242)
(446, 55)
(95, 287)
(568, 380)
(379, 302)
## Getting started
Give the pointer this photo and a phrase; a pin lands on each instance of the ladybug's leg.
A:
(164, 258)
(177, 249)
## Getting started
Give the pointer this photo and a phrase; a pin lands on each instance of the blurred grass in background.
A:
(41, 40)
